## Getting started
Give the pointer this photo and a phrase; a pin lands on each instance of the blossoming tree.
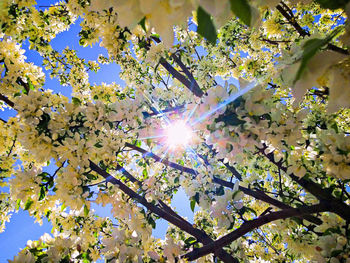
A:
(268, 164)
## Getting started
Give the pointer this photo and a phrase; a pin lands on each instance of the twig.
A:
(264, 238)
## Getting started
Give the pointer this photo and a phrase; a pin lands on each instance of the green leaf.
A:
(42, 193)
(235, 194)
(98, 145)
(76, 101)
(45, 176)
(86, 210)
(220, 191)
(335, 253)
(242, 10)
(145, 173)
(206, 26)
(18, 203)
(196, 198)
(142, 23)
(333, 4)
(155, 35)
(28, 204)
(190, 240)
(30, 84)
(311, 47)
(91, 176)
(193, 204)
(151, 221)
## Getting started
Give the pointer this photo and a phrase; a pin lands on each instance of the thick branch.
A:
(192, 86)
(320, 193)
(260, 195)
(200, 235)
(232, 170)
(291, 19)
(256, 194)
(251, 225)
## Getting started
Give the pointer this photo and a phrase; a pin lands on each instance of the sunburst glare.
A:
(178, 134)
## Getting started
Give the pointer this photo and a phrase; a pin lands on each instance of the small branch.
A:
(338, 49)
(139, 183)
(59, 168)
(266, 241)
(172, 109)
(128, 175)
(13, 145)
(274, 42)
(229, 167)
(23, 84)
(161, 160)
(302, 32)
(194, 85)
(102, 182)
(232, 170)
(6, 100)
(251, 225)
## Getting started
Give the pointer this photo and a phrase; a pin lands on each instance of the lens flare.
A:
(178, 134)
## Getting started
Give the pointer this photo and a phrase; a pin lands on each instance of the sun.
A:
(178, 134)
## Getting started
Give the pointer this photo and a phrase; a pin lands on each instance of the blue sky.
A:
(22, 227)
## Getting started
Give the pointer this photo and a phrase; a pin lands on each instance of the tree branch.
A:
(320, 193)
(139, 183)
(256, 194)
(260, 195)
(155, 113)
(6, 100)
(291, 19)
(192, 86)
(182, 224)
(288, 14)
(190, 83)
(161, 160)
(251, 225)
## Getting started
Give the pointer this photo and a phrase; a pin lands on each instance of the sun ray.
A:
(230, 99)
(152, 137)
(191, 113)
(178, 134)
(154, 105)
